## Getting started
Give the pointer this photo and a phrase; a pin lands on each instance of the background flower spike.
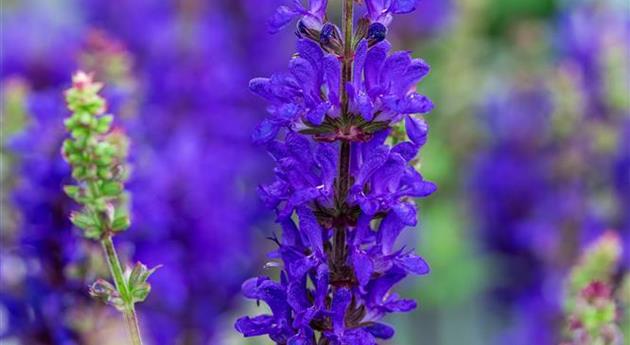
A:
(98, 156)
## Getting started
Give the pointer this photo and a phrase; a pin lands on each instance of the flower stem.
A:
(119, 280)
(339, 242)
(346, 70)
(346, 76)
(133, 325)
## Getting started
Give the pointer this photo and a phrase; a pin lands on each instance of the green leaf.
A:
(111, 188)
(104, 123)
(82, 220)
(137, 282)
(73, 192)
(140, 293)
(372, 127)
(75, 158)
(68, 147)
(88, 222)
(121, 223)
(79, 173)
(107, 293)
(85, 118)
(69, 122)
(105, 173)
(79, 133)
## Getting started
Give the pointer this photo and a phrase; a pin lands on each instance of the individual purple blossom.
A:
(342, 194)
(384, 86)
(312, 16)
(382, 11)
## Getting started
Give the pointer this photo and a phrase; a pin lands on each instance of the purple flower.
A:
(44, 245)
(312, 16)
(383, 90)
(383, 87)
(384, 178)
(382, 11)
(342, 194)
(540, 182)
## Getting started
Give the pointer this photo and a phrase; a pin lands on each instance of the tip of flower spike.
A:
(82, 80)
(610, 242)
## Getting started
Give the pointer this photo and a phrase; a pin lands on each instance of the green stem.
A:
(133, 325)
(119, 280)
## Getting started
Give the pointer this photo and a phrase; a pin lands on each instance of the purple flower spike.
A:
(342, 193)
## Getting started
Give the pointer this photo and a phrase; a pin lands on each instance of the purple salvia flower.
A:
(311, 16)
(382, 11)
(341, 193)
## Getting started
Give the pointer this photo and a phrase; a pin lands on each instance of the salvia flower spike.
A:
(342, 193)
(98, 156)
(592, 311)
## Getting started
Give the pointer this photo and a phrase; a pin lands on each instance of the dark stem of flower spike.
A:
(348, 55)
(339, 240)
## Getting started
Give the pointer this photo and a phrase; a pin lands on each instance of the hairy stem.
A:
(116, 270)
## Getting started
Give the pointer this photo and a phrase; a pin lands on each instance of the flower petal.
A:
(406, 212)
(265, 132)
(310, 226)
(251, 327)
(373, 62)
(417, 129)
(380, 330)
(390, 228)
(413, 263)
(281, 18)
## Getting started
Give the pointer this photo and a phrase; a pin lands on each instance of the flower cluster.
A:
(380, 91)
(98, 156)
(590, 306)
(342, 194)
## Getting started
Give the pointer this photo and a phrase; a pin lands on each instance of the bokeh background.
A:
(529, 145)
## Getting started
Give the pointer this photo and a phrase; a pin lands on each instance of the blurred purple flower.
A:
(44, 246)
(539, 186)
(190, 168)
